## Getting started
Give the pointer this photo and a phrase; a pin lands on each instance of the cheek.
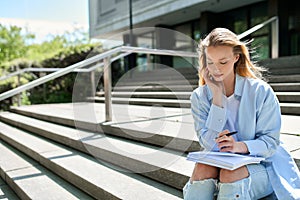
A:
(211, 69)
(229, 67)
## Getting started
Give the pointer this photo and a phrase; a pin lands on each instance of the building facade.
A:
(191, 20)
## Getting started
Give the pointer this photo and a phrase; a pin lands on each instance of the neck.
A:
(229, 85)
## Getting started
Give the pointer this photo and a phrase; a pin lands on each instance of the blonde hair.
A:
(224, 37)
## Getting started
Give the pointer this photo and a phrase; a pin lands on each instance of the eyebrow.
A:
(225, 58)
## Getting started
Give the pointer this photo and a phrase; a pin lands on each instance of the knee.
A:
(226, 176)
(202, 171)
(229, 176)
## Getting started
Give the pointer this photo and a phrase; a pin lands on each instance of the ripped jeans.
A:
(256, 186)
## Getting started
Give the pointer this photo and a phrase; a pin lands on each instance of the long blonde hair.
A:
(224, 37)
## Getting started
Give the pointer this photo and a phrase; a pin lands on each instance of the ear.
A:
(236, 57)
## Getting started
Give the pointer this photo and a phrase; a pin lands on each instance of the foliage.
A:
(12, 43)
(18, 52)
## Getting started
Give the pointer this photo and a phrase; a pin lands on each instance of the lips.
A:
(217, 75)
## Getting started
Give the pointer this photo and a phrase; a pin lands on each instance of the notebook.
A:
(223, 160)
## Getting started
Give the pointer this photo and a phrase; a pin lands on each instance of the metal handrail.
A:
(103, 56)
(30, 69)
(257, 27)
(72, 68)
(57, 74)
(275, 34)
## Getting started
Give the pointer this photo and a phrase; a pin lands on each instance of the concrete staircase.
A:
(50, 152)
(45, 157)
(287, 88)
(173, 87)
(284, 78)
(164, 87)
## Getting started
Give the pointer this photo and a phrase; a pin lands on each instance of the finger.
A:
(223, 133)
(226, 149)
(206, 75)
(222, 136)
(222, 139)
(225, 144)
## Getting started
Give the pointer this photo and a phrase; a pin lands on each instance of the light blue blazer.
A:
(259, 123)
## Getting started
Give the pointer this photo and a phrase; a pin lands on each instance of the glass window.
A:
(236, 20)
(295, 44)
(196, 31)
(183, 37)
(260, 48)
(294, 30)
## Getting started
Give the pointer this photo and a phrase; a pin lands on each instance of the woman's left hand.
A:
(228, 144)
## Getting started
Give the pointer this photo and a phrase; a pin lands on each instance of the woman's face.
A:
(220, 62)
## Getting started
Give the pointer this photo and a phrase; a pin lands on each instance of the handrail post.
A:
(148, 61)
(275, 38)
(19, 96)
(93, 85)
(107, 89)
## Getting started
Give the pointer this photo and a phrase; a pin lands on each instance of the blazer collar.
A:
(238, 90)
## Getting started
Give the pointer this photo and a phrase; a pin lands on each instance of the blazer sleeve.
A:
(268, 124)
(209, 119)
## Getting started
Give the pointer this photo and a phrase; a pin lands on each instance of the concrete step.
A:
(6, 192)
(285, 87)
(150, 95)
(286, 108)
(285, 71)
(162, 72)
(163, 82)
(150, 160)
(288, 65)
(279, 86)
(30, 180)
(178, 103)
(141, 127)
(155, 88)
(85, 172)
(290, 108)
(158, 76)
(288, 97)
(293, 97)
(295, 78)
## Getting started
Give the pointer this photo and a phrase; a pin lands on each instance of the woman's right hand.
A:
(216, 87)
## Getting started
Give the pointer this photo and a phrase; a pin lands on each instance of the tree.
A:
(12, 43)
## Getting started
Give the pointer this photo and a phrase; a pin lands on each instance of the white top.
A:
(232, 107)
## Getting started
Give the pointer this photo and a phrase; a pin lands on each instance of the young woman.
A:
(233, 97)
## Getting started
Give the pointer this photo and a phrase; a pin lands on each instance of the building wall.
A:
(195, 18)
(111, 16)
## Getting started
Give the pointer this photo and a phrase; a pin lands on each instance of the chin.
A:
(219, 79)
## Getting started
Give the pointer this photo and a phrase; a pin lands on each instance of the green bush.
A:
(16, 54)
